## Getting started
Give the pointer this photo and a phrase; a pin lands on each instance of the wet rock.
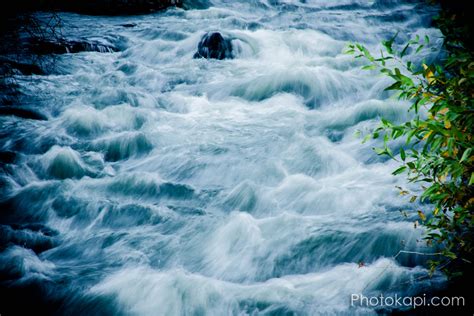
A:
(9, 93)
(69, 47)
(113, 7)
(128, 25)
(30, 239)
(92, 7)
(37, 228)
(214, 45)
(14, 67)
(21, 112)
(7, 157)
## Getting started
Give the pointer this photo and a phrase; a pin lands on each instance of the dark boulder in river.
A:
(113, 7)
(7, 157)
(14, 67)
(21, 113)
(214, 45)
(44, 47)
(95, 7)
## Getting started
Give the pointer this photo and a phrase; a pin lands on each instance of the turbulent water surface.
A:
(162, 184)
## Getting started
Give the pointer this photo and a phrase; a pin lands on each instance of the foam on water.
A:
(164, 184)
(178, 292)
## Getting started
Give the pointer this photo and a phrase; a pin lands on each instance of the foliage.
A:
(438, 150)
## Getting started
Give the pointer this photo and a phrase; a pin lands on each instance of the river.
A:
(163, 184)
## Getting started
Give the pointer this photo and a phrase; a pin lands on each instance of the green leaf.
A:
(471, 181)
(402, 154)
(406, 80)
(466, 154)
(415, 40)
(366, 138)
(369, 67)
(404, 50)
(397, 72)
(365, 51)
(385, 122)
(388, 44)
(395, 86)
(379, 151)
(450, 254)
(399, 170)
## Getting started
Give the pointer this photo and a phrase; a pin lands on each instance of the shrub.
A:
(438, 152)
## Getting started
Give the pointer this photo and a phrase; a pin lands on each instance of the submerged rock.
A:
(101, 7)
(30, 237)
(111, 7)
(214, 45)
(14, 67)
(69, 47)
(7, 157)
(22, 113)
(128, 25)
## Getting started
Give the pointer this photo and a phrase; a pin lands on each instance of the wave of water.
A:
(166, 185)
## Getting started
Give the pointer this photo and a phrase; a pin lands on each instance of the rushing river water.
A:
(161, 184)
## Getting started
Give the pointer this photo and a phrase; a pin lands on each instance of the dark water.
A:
(166, 185)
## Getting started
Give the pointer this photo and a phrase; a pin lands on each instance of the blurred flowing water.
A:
(166, 185)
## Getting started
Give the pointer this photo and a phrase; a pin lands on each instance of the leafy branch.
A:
(438, 149)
